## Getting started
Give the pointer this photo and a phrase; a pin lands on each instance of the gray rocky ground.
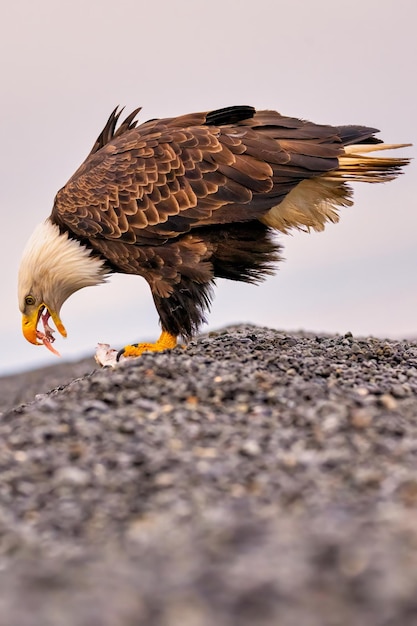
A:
(256, 477)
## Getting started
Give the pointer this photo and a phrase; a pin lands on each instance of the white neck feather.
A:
(56, 266)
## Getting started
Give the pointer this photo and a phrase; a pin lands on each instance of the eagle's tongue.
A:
(49, 332)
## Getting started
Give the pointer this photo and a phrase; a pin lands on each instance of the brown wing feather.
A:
(151, 183)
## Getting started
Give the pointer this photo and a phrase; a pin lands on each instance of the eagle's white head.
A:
(53, 267)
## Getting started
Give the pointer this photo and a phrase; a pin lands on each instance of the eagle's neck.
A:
(61, 264)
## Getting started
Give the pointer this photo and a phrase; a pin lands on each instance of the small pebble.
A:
(71, 476)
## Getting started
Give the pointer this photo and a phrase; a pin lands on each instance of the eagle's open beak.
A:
(30, 326)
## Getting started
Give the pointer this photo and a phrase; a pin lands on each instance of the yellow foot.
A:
(165, 342)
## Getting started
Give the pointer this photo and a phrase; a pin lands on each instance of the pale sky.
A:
(65, 65)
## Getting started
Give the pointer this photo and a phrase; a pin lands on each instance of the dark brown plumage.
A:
(184, 200)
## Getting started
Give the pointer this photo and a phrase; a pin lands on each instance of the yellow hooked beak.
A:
(30, 325)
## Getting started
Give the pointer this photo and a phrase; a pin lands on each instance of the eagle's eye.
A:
(29, 300)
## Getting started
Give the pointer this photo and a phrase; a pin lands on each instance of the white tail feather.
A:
(316, 201)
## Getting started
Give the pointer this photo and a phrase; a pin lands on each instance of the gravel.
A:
(257, 477)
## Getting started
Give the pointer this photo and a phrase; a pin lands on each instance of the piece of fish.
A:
(47, 337)
(105, 356)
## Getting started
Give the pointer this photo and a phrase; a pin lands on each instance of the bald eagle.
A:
(185, 200)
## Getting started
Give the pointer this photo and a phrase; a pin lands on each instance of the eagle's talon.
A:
(165, 342)
(119, 354)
